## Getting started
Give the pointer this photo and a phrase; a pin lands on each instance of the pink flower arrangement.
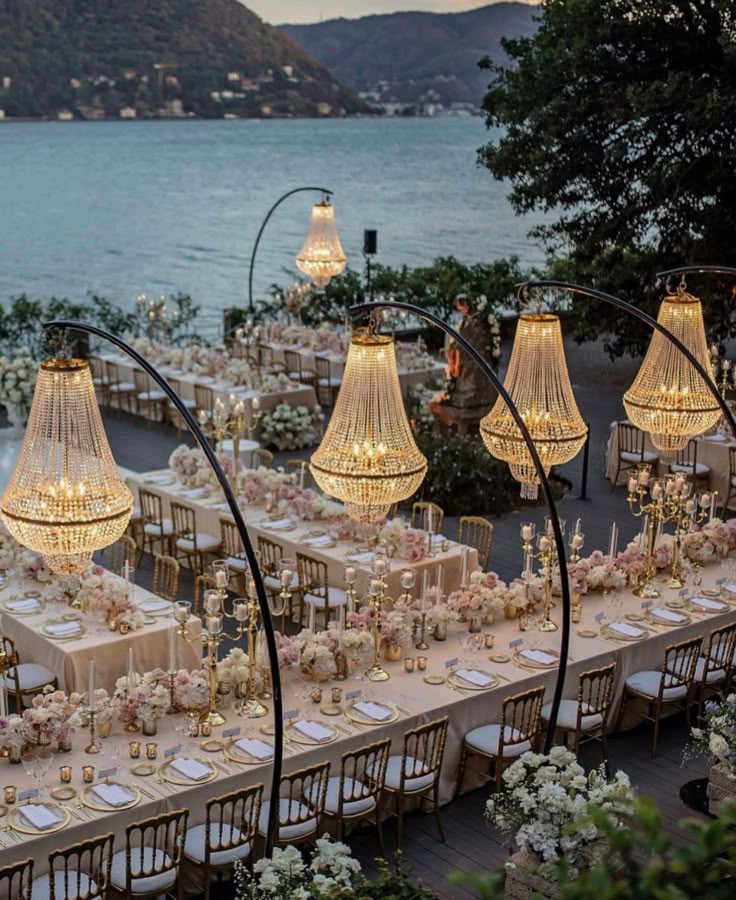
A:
(363, 618)
(149, 700)
(52, 716)
(486, 592)
(31, 565)
(191, 689)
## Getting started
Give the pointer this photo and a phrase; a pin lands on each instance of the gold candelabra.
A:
(654, 515)
(229, 421)
(546, 556)
(377, 599)
(154, 315)
(248, 336)
(94, 744)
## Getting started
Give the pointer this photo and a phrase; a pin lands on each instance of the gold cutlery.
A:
(222, 768)
(402, 710)
(344, 730)
(501, 677)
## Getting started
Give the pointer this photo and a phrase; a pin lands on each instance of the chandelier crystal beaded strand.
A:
(368, 458)
(539, 384)
(322, 257)
(66, 497)
(668, 398)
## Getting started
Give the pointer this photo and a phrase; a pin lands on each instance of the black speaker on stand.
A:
(370, 248)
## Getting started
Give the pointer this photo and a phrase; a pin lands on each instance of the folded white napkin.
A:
(193, 493)
(153, 605)
(731, 588)
(224, 505)
(157, 479)
(361, 558)
(22, 605)
(112, 794)
(667, 614)
(190, 768)
(39, 816)
(206, 379)
(319, 541)
(254, 747)
(715, 437)
(313, 730)
(539, 656)
(372, 710)
(709, 604)
(474, 677)
(64, 628)
(628, 630)
(278, 525)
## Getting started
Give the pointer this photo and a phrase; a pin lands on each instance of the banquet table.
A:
(417, 702)
(109, 649)
(713, 450)
(210, 509)
(299, 395)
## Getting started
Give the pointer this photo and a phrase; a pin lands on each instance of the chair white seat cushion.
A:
(414, 779)
(194, 844)
(647, 683)
(122, 387)
(330, 382)
(486, 739)
(237, 564)
(289, 809)
(295, 376)
(135, 514)
(143, 860)
(713, 675)
(351, 787)
(30, 676)
(187, 402)
(152, 396)
(700, 468)
(649, 456)
(205, 542)
(166, 527)
(733, 480)
(66, 885)
(567, 717)
(273, 583)
(335, 597)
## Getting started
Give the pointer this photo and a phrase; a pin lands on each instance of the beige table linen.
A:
(109, 649)
(419, 703)
(211, 510)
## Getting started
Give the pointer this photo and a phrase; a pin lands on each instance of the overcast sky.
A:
(277, 11)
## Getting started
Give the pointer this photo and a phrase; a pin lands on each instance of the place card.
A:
(108, 773)
(451, 662)
(231, 732)
(172, 751)
(599, 617)
(291, 714)
(720, 581)
(352, 695)
(517, 643)
(646, 604)
(684, 592)
(28, 795)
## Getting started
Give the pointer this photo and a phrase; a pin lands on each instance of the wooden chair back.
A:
(688, 457)
(477, 532)
(302, 794)
(720, 651)
(166, 577)
(678, 668)
(731, 462)
(116, 555)
(521, 717)
(420, 516)
(152, 507)
(293, 362)
(312, 576)
(265, 357)
(16, 880)
(423, 751)
(204, 398)
(261, 457)
(184, 521)
(232, 546)
(270, 553)
(97, 369)
(362, 774)
(202, 583)
(232, 821)
(595, 692)
(140, 380)
(9, 651)
(164, 836)
(91, 859)
(113, 372)
(630, 439)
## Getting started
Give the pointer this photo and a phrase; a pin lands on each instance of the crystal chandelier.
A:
(668, 398)
(322, 256)
(65, 498)
(539, 385)
(368, 457)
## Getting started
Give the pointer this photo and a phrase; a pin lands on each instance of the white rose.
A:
(717, 745)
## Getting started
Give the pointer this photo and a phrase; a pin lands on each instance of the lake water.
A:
(157, 207)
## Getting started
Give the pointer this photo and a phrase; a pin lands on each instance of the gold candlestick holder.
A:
(94, 745)
(546, 556)
(377, 599)
(422, 644)
(251, 707)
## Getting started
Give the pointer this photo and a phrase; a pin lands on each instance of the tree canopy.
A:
(618, 121)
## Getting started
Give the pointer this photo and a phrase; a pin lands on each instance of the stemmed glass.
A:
(29, 758)
(44, 761)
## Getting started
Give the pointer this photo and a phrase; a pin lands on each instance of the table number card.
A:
(108, 773)
(720, 581)
(599, 617)
(291, 714)
(28, 795)
(231, 732)
(646, 604)
(451, 662)
(684, 592)
(172, 751)
(517, 643)
(353, 695)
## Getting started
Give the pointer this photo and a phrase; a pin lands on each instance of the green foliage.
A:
(463, 478)
(395, 883)
(618, 120)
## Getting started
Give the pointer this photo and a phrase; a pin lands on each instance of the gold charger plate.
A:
(18, 823)
(619, 636)
(710, 592)
(586, 633)
(143, 770)
(675, 604)
(174, 777)
(63, 792)
(659, 620)
(74, 636)
(634, 617)
(355, 715)
(235, 754)
(434, 679)
(696, 607)
(212, 745)
(38, 608)
(527, 663)
(89, 798)
(295, 735)
(458, 681)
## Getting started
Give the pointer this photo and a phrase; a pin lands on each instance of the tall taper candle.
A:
(91, 683)
(172, 649)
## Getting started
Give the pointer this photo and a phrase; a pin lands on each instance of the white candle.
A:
(301, 477)
(91, 683)
(425, 582)
(656, 491)
(528, 566)
(256, 403)
(340, 619)
(613, 541)
(440, 581)
(464, 567)
(241, 611)
(643, 535)
(221, 578)
(544, 544)
(172, 649)
(430, 519)
(526, 532)
(577, 541)
(350, 574)
(310, 624)
(713, 505)
(643, 476)
(577, 527)
(633, 484)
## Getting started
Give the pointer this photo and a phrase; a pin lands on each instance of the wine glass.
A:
(29, 758)
(44, 761)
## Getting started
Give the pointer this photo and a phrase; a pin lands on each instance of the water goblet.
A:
(43, 766)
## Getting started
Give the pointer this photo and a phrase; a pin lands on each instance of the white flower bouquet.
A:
(17, 381)
(191, 689)
(546, 808)
(397, 628)
(413, 356)
(52, 716)
(150, 700)
(31, 565)
(717, 737)
(233, 669)
(357, 645)
(240, 372)
(190, 466)
(289, 427)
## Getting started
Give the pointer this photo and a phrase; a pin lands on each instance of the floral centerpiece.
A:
(289, 427)
(397, 629)
(408, 543)
(545, 807)
(12, 736)
(317, 652)
(484, 595)
(29, 564)
(604, 573)
(109, 596)
(191, 689)
(190, 466)
(103, 710)
(240, 372)
(233, 669)
(276, 383)
(17, 383)
(8, 548)
(413, 356)
(149, 701)
(358, 646)
(52, 717)
(717, 739)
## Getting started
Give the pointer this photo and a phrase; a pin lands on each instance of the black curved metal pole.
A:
(262, 229)
(546, 490)
(543, 284)
(698, 270)
(278, 725)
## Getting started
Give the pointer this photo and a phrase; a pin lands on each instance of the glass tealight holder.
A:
(421, 663)
(409, 664)
(88, 774)
(10, 794)
(65, 774)
(151, 751)
(182, 611)
(134, 748)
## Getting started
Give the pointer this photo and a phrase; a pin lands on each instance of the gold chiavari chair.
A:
(501, 743)
(166, 577)
(299, 818)
(293, 362)
(119, 391)
(631, 452)
(174, 416)
(477, 532)
(116, 555)
(271, 554)
(327, 383)
(296, 466)
(420, 516)
(189, 543)
(232, 548)
(416, 772)
(714, 668)
(204, 398)
(149, 865)
(16, 880)
(150, 403)
(315, 590)
(265, 357)
(24, 680)
(586, 718)
(227, 835)
(355, 793)
(157, 528)
(686, 463)
(670, 686)
(260, 457)
(79, 872)
(100, 379)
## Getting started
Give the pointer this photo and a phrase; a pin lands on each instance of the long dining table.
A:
(415, 701)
